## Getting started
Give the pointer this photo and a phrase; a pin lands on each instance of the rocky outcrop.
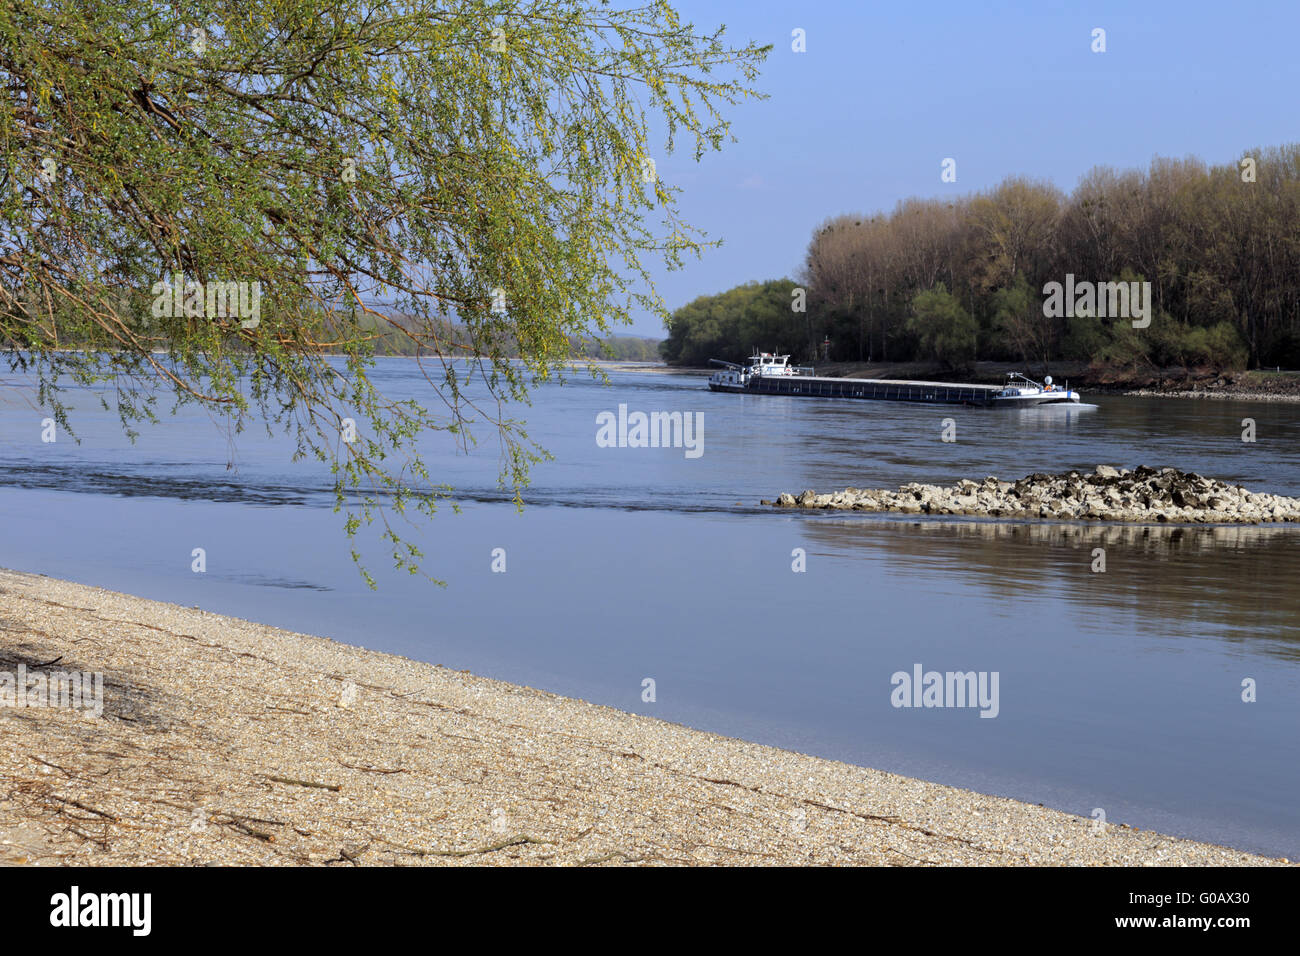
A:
(1107, 494)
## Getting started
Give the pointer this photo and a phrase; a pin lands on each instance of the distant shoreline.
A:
(1257, 385)
(222, 741)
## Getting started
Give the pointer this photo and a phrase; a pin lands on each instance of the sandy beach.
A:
(227, 742)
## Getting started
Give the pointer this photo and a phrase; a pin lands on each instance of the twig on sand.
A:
(518, 839)
(245, 828)
(335, 787)
(353, 766)
(81, 806)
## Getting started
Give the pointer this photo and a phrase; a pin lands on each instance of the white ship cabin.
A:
(736, 378)
(766, 363)
(1018, 385)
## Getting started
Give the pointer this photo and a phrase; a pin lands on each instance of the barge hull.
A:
(937, 393)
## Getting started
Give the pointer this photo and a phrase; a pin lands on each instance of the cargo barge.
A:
(770, 374)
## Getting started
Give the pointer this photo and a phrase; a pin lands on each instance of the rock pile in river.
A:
(1107, 494)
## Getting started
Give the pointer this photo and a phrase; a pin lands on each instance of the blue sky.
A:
(885, 92)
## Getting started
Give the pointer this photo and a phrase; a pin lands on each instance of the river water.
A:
(1120, 690)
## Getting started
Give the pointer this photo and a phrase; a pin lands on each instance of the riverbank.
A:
(1143, 494)
(224, 741)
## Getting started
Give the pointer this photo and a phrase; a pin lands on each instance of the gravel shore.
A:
(227, 742)
(1228, 395)
(1143, 495)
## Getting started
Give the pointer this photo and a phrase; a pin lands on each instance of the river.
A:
(1120, 690)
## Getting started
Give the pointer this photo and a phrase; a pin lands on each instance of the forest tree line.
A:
(961, 279)
(378, 334)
